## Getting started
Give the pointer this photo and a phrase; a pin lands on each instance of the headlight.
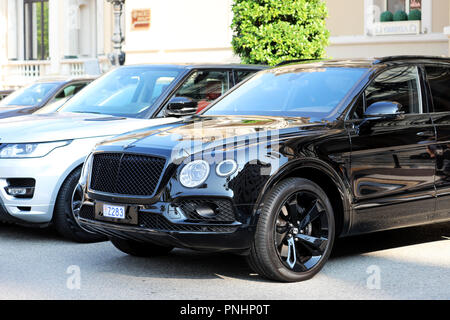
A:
(226, 167)
(30, 150)
(194, 173)
(85, 171)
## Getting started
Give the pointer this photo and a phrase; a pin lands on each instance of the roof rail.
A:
(296, 60)
(409, 57)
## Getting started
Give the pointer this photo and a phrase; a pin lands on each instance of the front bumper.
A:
(154, 226)
(49, 173)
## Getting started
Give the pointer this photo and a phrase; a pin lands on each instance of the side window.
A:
(400, 85)
(70, 90)
(204, 87)
(439, 81)
(242, 74)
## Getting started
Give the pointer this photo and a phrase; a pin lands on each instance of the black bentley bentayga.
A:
(282, 165)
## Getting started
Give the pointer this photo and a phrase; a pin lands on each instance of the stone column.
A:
(118, 56)
(53, 35)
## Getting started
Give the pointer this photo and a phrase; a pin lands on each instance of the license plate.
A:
(116, 212)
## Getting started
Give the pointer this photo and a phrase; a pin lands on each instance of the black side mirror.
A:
(383, 109)
(379, 111)
(180, 107)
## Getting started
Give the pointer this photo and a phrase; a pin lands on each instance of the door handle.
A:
(426, 134)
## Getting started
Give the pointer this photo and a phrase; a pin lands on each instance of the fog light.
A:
(20, 192)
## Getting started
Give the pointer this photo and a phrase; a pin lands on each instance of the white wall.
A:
(181, 31)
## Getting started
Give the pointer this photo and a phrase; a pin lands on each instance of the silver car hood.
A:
(66, 126)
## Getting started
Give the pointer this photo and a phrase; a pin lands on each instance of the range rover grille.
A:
(127, 174)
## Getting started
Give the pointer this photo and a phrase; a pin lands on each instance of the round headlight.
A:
(226, 167)
(194, 173)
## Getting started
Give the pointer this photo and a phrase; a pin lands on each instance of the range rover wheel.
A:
(139, 249)
(68, 201)
(295, 232)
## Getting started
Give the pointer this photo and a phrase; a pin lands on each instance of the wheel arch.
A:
(74, 166)
(326, 177)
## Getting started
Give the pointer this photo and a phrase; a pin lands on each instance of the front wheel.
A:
(67, 204)
(295, 232)
(140, 249)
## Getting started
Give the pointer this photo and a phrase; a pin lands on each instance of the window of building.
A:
(396, 5)
(36, 29)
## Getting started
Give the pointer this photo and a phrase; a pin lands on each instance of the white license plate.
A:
(110, 211)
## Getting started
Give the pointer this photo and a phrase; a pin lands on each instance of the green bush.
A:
(400, 15)
(272, 31)
(415, 14)
(386, 16)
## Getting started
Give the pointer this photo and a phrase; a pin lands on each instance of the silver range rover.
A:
(41, 155)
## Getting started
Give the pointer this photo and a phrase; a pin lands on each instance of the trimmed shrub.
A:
(415, 14)
(400, 15)
(386, 16)
(272, 31)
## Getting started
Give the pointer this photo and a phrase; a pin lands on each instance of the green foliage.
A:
(415, 14)
(386, 16)
(272, 31)
(400, 15)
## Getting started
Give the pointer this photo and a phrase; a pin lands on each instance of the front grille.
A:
(87, 212)
(159, 222)
(223, 209)
(127, 174)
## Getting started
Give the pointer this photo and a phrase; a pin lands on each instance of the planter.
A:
(396, 27)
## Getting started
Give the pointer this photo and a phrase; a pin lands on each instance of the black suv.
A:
(283, 164)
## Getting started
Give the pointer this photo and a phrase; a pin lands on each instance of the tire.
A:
(63, 217)
(296, 220)
(139, 249)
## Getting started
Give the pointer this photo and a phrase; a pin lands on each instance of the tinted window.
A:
(128, 92)
(204, 87)
(439, 81)
(400, 85)
(241, 75)
(315, 92)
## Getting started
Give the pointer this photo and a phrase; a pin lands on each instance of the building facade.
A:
(40, 38)
(73, 37)
(357, 31)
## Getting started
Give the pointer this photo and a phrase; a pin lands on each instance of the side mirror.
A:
(181, 106)
(383, 109)
(377, 112)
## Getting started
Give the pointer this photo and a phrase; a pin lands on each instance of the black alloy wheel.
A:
(295, 232)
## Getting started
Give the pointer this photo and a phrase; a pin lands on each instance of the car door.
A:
(438, 77)
(392, 167)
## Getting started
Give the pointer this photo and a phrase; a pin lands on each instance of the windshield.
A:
(126, 92)
(30, 96)
(304, 92)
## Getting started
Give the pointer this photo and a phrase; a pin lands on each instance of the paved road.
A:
(404, 264)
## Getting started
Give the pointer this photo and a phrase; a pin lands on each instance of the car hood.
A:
(202, 133)
(67, 126)
(7, 111)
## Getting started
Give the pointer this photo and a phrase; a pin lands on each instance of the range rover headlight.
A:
(87, 166)
(30, 150)
(194, 173)
(226, 168)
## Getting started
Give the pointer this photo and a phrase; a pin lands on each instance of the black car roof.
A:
(366, 63)
(199, 66)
